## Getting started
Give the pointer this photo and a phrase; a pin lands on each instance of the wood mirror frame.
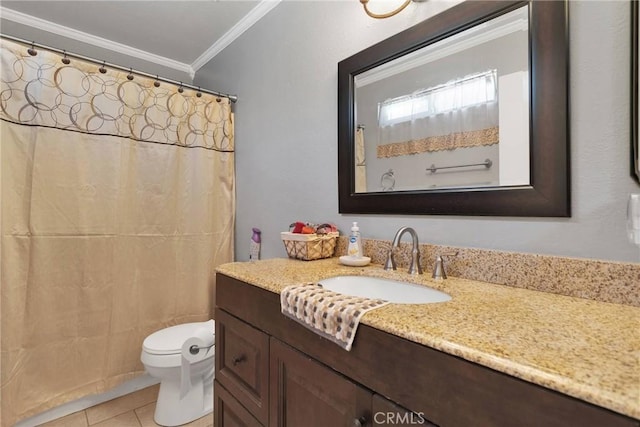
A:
(548, 194)
(635, 94)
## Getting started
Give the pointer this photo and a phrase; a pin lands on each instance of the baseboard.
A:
(130, 386)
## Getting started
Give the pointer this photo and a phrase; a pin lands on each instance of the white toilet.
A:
(186, 382)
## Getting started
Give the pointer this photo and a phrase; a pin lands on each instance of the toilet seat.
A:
(169, 341)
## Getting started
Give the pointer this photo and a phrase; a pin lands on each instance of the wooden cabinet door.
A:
(303, 392)
(228, 412)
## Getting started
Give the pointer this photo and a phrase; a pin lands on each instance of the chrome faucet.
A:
(414, 266)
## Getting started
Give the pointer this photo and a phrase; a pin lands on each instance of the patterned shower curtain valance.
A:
(77, 96)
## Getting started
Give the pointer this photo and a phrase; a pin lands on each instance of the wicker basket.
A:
(308, 247)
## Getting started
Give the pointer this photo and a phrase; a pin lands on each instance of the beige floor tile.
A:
(128, 419)
(123, 404)
(205, 421)
(145, 415)
(77, 419)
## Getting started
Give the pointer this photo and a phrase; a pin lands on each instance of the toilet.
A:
(186, 377)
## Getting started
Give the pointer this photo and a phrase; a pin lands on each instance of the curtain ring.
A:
(32, 51)
(102, 69)
(65, 60)
(130, 76)
(156, 83)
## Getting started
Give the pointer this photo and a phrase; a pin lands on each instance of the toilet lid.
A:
(170, 340)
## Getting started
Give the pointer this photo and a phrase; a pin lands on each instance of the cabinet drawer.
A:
(228, 412)
(242, 363)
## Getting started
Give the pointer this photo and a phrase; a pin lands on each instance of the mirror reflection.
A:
(452, 114)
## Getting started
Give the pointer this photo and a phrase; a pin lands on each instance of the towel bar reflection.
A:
(387, 181)
(487, 164)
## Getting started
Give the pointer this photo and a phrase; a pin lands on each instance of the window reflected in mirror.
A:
(452, 114)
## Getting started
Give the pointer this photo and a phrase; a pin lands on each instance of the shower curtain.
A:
(118, 203)
(361, 166)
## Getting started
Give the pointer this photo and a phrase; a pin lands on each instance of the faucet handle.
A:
(439, 271)
(390, 263)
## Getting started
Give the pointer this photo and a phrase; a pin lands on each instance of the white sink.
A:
(388, 290)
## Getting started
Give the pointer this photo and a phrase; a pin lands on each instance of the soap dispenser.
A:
(355, 243)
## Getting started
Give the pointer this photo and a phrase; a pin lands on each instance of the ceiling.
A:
(183, 35)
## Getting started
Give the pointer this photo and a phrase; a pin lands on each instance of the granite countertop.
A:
(583, 348)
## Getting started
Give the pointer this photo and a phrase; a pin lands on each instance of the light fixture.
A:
(388, 14)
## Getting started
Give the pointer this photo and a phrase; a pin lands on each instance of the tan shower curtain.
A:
(118, 203)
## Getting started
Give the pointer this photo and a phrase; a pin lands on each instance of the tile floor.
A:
(133, 410)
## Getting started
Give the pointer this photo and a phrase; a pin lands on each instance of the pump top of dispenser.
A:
(355, 227)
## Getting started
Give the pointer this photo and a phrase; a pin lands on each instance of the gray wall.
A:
(285, 72)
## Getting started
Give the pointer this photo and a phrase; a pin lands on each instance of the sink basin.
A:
(388, 290)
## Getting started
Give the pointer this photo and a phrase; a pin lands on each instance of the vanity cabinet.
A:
(242, 364)
(307, 393)
(228, 411)
(302, 391)
(272, 371)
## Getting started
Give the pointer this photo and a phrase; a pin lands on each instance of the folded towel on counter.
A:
(330, 314)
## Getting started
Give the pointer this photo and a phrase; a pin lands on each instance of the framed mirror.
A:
(465, 113)
(635, 94)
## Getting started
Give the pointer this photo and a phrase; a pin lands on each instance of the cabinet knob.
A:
(360, 422)
(239, 359)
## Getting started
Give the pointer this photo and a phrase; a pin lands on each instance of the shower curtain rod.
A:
(232, 98)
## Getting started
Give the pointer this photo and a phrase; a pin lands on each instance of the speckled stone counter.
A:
(583, 348)
(607, 281)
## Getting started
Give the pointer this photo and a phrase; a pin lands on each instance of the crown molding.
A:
(61, 30)
(236, 31)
